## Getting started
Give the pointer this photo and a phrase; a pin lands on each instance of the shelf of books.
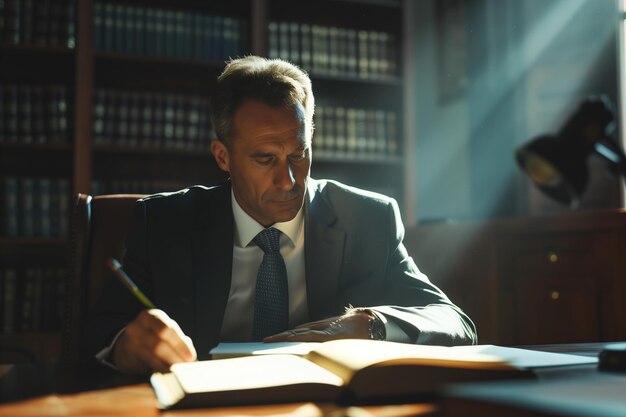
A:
(139, 122)
(353, 63)
(37, 49)
(157, 115)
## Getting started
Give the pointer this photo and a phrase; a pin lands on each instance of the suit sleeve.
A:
(415, 310)
(116, 306)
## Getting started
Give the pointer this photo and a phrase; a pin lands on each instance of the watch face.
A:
(376, 329)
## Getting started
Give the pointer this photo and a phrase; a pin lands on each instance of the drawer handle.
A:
(553, 257)
(555, 295)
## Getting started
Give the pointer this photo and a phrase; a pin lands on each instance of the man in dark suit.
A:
(337, 267)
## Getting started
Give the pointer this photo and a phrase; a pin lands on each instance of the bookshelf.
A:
(110, 96)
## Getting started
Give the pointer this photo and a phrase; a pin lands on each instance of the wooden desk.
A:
(54, 390)
(580, 391)
(75, 391)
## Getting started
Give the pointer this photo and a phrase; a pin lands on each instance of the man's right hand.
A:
(152, 342)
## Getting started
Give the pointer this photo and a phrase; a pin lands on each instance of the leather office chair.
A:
(99, 228)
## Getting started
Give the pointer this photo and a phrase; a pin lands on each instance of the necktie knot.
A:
(268, 240)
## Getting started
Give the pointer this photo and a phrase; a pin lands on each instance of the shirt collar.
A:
(246, 228)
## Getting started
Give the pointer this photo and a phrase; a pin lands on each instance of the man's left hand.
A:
(352, 325)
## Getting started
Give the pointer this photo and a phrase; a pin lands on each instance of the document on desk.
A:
(521, 358)
(350, 370)
(528, 359)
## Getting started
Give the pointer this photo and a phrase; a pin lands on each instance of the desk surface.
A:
(56, 390)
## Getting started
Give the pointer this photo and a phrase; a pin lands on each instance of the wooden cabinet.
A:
(106, 96)
(552, 279)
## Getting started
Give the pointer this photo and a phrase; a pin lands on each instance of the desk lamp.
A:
(557, 164)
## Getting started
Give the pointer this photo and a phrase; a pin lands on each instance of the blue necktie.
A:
(271, 302)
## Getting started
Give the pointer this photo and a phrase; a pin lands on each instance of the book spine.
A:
(381, 133)
(44, 190)
(179, 122)
(140, 30)
(145, 121)
(55, 28)
(341, 140)
(351, 132)
(64, 206)
(3, 112)
(10, 300)
(61, 289)
(134, 111)
(42, 22)
(12, 113)
(108, 27)
(130, 39)
(13, 12)
(39, 116)
(27, 22)
(98, 26)
(99, 99)
(25, 133)
(121, 136)
(392, 134)
(169, 27)
(305, 46)
(70, 23)
(2, 30)
(11, 210)
(27, 300)
(119, 26)
(48, 313)
(27, 195)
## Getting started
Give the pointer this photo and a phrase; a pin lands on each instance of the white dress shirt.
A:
(247, 257)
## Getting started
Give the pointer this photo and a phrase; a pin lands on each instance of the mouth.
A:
(289, 200)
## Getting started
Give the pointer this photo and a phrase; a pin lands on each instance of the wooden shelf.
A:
(393, 81)
(27, 62)
(35, 160)
(127, 150)
(33, 249)
(371, 15)
(363, 160)
(26, 347)
(35, 147)
(151, 73)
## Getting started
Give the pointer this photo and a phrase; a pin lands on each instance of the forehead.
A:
(255, 120)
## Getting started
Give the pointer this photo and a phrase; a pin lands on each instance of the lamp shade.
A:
(558, 170)
(557, 164)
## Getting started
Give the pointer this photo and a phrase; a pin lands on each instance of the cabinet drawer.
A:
(554, 310)
(550, 253)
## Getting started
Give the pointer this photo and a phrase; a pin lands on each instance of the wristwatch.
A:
(375, 326)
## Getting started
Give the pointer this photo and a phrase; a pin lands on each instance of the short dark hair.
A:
(272, 81)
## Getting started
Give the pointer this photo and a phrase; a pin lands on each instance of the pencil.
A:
(116, 267)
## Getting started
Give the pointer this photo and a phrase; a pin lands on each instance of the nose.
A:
(284, 177)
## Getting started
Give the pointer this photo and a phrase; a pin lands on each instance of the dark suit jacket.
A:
(180, 252)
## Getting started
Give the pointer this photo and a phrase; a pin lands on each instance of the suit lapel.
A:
(212, 245)
(323, 248)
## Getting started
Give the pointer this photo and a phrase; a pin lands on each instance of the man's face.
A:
(269, 161)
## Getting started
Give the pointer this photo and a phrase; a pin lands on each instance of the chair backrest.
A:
(99, 228)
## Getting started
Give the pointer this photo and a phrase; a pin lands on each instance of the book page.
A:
(525, 358)
(250, 373)
(344, 357)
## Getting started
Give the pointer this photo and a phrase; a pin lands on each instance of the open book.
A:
(341, 370)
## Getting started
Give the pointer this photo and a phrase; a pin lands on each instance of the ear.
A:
(220, 153)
